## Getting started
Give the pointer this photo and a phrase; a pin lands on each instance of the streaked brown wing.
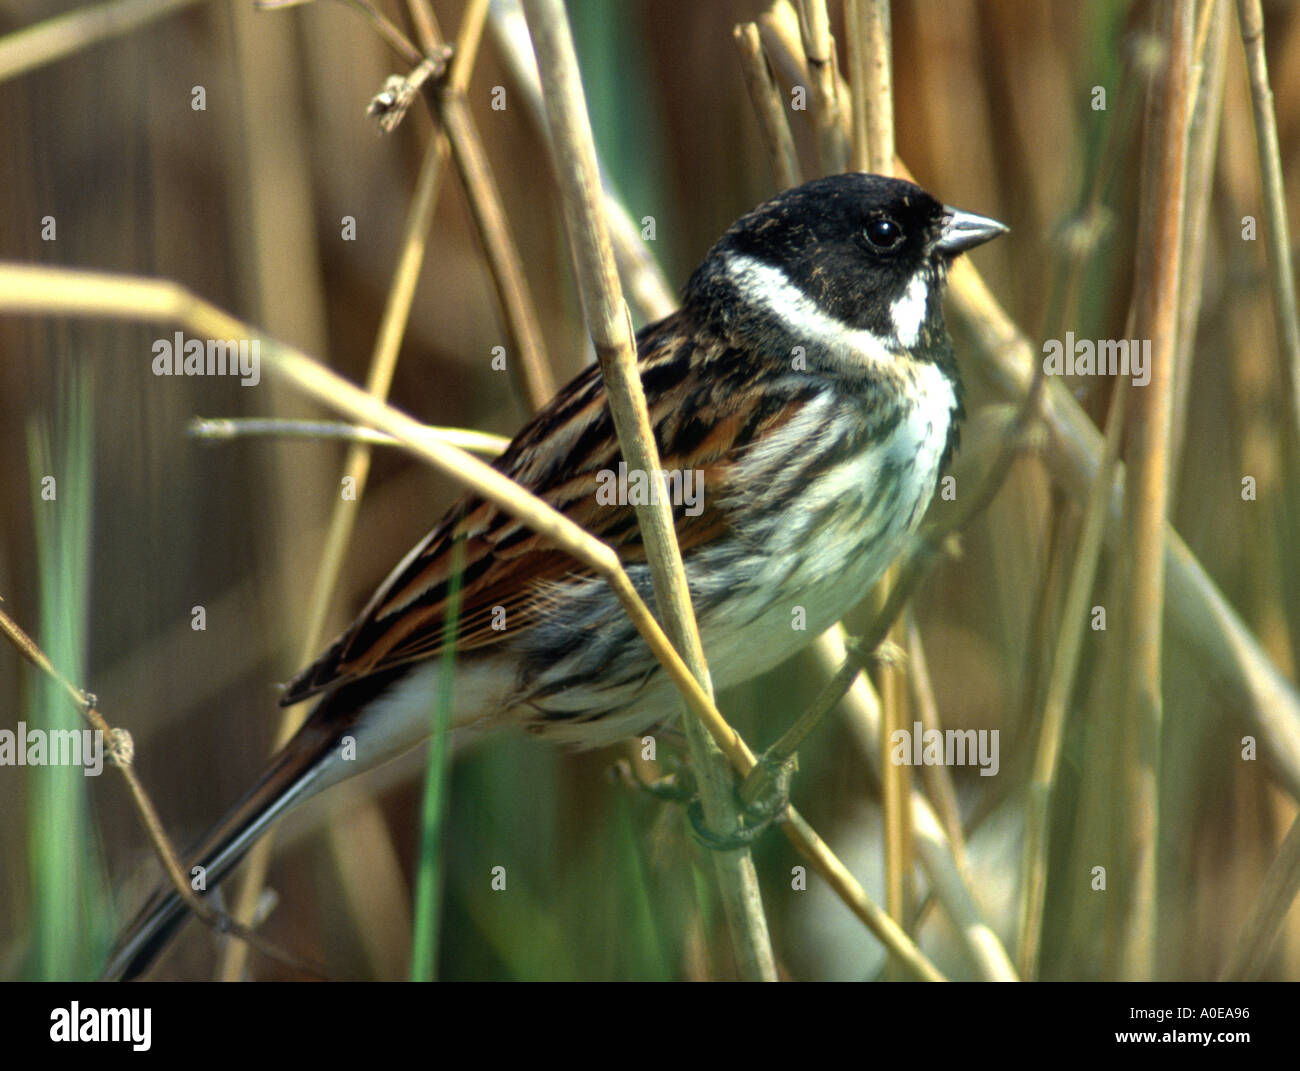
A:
(557, 456)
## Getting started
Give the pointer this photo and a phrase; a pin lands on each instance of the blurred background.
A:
(244, 202)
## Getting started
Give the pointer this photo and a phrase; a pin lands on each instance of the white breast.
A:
(827, 568)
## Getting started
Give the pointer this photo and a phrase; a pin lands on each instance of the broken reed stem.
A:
(769, 106)
(819, 51)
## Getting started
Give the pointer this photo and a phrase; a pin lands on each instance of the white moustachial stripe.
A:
(766, 287)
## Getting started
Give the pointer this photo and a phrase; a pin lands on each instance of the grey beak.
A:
(965, 230)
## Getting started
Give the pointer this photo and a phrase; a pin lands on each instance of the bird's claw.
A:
(763, 797)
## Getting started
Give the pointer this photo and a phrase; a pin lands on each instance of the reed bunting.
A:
(806, 390)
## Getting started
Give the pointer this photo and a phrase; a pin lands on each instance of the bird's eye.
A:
(883, 233)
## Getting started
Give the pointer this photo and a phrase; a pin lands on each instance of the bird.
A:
(805, 398)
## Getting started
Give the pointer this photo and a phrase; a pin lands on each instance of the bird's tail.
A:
(307, 764)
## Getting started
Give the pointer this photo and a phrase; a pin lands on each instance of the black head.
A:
(852, 252)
